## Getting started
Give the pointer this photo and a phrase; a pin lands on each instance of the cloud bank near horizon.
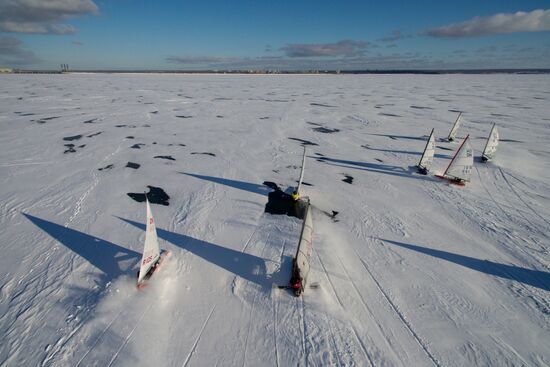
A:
(12, 53)
(341, 48)
(503, 23)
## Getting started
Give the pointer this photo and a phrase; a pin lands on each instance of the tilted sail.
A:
(428, 156)
(301, 173)
(305, 246)
(151, 249)
(461, 165)
(491, 145)
(454, 129)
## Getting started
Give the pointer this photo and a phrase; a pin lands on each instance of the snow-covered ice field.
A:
(415, 272)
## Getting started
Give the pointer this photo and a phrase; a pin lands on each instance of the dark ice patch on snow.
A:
(137, 146)
(322, 105)
(91, 121)
(389, 114)
(94, 134)
(347, 179)
(379, 160)
(130, 126)
(422, 108)
(219, 116)
(305, 183)
(444, 148)
(499, 115)
(133, 165)
(184, 116)
(304, 142)
(264, 118)
(46, 119)
(129, 137)
(320, 154)
(156, 195)
(314, 123)
(70, 148)
(106, 167)
(154, 112)
(71, 138)
(325, 130)
(24, 114)
(457, 111)
(204, 153)
(168, 157)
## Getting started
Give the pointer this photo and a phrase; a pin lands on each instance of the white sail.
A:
(454, 129)
(305, 246)
(151, 249)
(491, 145)
(461, 165)
(301, 173)
(428, 156)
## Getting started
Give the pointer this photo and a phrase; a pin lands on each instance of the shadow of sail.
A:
(103, 255)
(535, 278)
(241, 185)
(246, 266)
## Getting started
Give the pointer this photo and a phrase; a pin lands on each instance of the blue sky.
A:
(128, 34)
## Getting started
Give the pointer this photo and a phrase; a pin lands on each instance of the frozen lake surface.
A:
(412, 271)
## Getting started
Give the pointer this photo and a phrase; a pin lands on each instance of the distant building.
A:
(6, 70)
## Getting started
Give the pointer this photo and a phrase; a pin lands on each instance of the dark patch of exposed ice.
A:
(322, 105)
(156, 195)
(347, 179)
(71, 138)
(325, 130)
(204, 153)
(133, 165)
(137, 146)
(168, 157)
(109, 166)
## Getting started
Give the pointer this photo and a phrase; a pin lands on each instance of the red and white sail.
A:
(460, 168)
(454, 129)
(491, 145)
(428, 156)
(151, 248)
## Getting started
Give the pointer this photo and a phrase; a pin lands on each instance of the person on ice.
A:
(296, 281)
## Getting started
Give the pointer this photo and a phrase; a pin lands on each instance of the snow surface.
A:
(416, 272)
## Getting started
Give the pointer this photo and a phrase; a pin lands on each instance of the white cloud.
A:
(534, 21)
(42, 16)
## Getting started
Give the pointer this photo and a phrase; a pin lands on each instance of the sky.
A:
(274, 35)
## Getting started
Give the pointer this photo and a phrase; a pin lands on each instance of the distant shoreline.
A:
(298, 72)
